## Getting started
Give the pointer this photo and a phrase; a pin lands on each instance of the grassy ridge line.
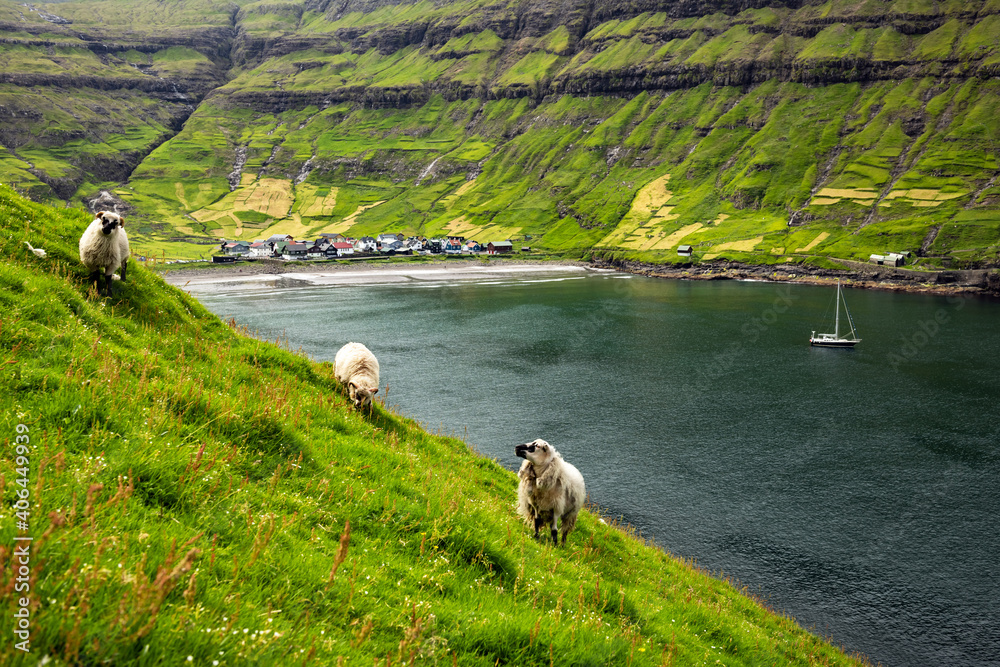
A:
(191, 489)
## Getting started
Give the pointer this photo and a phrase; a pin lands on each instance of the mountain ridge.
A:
(824, 118)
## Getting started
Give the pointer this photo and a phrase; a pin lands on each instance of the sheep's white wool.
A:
(357, 368)
(104, 245)
(550, 489)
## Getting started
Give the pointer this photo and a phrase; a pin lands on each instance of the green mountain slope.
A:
(763, 132)
(194, 494)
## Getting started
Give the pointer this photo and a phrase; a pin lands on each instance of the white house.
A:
(261, 249)
(365, 244)
(343, 248)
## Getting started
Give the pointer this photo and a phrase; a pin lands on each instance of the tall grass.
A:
(199, 495)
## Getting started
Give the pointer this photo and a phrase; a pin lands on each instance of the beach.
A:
(270, 274)
(274, 273)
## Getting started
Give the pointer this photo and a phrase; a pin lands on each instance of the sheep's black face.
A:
(537, 451)
(109, 221)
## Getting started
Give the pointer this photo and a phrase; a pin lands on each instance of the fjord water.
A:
(856, 490)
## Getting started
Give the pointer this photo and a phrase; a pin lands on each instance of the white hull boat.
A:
(835, 339)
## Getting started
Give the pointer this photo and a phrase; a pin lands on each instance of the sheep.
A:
(550, 489)
(357, 367)
(104, 248)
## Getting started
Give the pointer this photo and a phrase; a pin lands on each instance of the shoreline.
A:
(982, 282)
(270, 273)
(265, 273)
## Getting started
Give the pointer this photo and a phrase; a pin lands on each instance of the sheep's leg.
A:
(124, 266)
(539, 522)
(555, 533)
(109, 280)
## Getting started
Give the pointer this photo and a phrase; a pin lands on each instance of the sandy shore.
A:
(269, 274)
(273, 274)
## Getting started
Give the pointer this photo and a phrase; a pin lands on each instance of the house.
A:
(235, 248)
(333, 238)
(890, 259)
(413, 243)
(525, 248)
(279, 248)
(316, 251)
(278, 238)
(261, 249)
(343, 248)
(382, 239)
(452, 246)
(366, 244)
(391, 247)
(500, 247)
(433, 245)
(472, 246)
(295, 251)
(684, 250)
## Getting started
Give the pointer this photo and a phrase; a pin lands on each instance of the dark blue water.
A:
(856, 490)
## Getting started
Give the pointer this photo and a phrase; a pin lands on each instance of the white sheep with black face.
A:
(550, 491)
(104, 248)
(357, 367)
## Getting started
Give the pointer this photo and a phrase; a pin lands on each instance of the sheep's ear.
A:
(375, 391)
(100, 214)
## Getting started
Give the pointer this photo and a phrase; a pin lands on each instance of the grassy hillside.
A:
(197, 494)
(794, 132)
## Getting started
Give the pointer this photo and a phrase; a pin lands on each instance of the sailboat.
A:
(835, 339)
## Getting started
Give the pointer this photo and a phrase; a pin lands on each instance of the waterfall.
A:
(427, 170)
(237, 173)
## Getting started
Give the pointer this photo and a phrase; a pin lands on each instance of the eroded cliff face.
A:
(849, 119)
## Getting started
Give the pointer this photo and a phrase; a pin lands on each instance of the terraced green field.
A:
(770, 135)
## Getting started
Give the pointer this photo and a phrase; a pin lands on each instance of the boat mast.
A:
(836, 323)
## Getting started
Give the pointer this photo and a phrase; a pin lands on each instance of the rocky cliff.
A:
(762, 131)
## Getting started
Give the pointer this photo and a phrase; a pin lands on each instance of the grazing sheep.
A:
(357, 367)
(104, 248)
(550, 489)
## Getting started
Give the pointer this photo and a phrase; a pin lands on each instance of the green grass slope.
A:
(194, 494)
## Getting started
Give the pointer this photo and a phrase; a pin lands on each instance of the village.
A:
(338, 246)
